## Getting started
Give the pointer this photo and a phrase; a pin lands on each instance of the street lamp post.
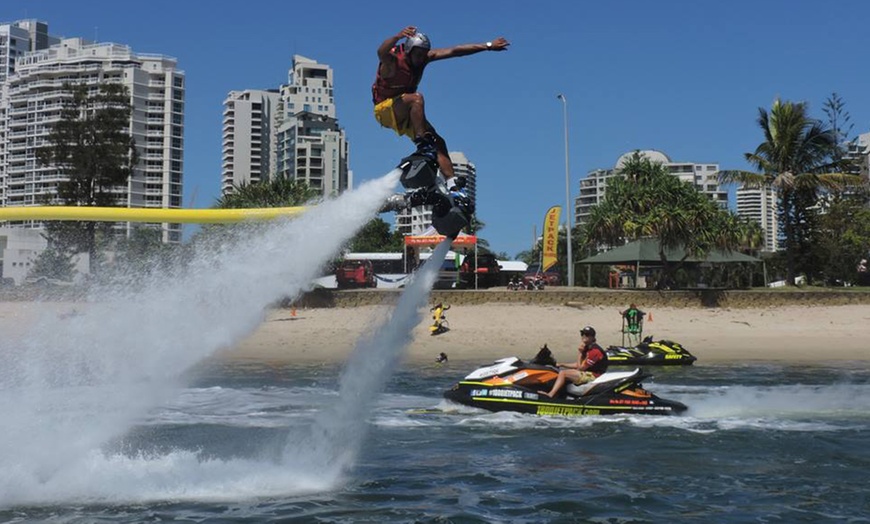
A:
(569, 210)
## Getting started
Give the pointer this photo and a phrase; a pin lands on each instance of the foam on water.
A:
(793, 408)
(790, 401)
(73, 384)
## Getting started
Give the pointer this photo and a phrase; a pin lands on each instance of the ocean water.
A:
(760, 443)
(121, 414)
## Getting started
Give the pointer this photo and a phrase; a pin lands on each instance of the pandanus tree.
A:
(798, 158)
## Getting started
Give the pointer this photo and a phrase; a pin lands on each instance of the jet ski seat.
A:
(576, 390)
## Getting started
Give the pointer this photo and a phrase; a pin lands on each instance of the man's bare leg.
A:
(560, 381)
(413, 107)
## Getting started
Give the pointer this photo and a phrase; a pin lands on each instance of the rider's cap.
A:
(418, 40)
(588, 331)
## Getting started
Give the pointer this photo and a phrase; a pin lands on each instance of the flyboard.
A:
(424, 186)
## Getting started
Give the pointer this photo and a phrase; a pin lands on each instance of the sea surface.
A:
(760, 443)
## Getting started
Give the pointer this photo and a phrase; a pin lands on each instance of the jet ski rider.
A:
(591, 363)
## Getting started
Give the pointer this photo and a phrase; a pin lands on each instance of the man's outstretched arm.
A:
(389, 43)
(499, 44)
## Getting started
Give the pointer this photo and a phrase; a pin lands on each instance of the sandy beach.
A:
(479, 333)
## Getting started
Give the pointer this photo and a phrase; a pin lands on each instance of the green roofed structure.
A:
(645, 252)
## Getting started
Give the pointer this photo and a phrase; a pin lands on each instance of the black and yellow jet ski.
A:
(650, 353)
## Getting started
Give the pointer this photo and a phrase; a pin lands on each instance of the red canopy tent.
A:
(431, 238)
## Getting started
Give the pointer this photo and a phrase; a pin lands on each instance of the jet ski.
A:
(451, 211)
(509, 384)
(649, 353)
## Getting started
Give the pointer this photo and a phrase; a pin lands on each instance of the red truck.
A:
(355, 273)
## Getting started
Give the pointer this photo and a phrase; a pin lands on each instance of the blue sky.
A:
(685, 77)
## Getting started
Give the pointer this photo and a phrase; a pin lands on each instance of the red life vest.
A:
(405, 79)
(595, 352)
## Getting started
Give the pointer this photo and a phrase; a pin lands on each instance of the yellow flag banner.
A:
(551, 237)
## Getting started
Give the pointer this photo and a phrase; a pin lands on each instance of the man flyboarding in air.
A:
(400, 107)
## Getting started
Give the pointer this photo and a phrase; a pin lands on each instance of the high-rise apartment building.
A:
(311, 145)
(759, 205)
(309, 89)
(417, 220)
(313, 148)
(859, 151)
(34, 95)
(291, 132)
(704, 178)
(17, 38)
(249, 145)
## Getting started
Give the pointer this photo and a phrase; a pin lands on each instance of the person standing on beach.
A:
(400, 107)
(591, 363)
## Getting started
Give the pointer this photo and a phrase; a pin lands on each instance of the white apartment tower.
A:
(417, 220)
(291, 132)
(759, 205)
(17, 38)
(249, 145)
(704, 177)
(308, 89)
(35, 95)
(859, 150)
(310, 144)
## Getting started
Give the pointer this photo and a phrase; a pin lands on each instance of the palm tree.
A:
(796, 159)
(474, 227)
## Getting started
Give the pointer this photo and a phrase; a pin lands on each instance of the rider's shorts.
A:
(385, 116)
(585, 377)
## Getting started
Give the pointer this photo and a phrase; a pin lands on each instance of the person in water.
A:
(591, 363)
(398, 104)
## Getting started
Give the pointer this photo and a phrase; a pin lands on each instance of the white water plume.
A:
(334, 440)
(73, 384)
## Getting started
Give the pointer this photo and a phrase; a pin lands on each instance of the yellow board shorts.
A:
(386, 117)
(585, 377)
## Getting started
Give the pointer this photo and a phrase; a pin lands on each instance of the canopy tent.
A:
(646, 251)
(430, 237)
